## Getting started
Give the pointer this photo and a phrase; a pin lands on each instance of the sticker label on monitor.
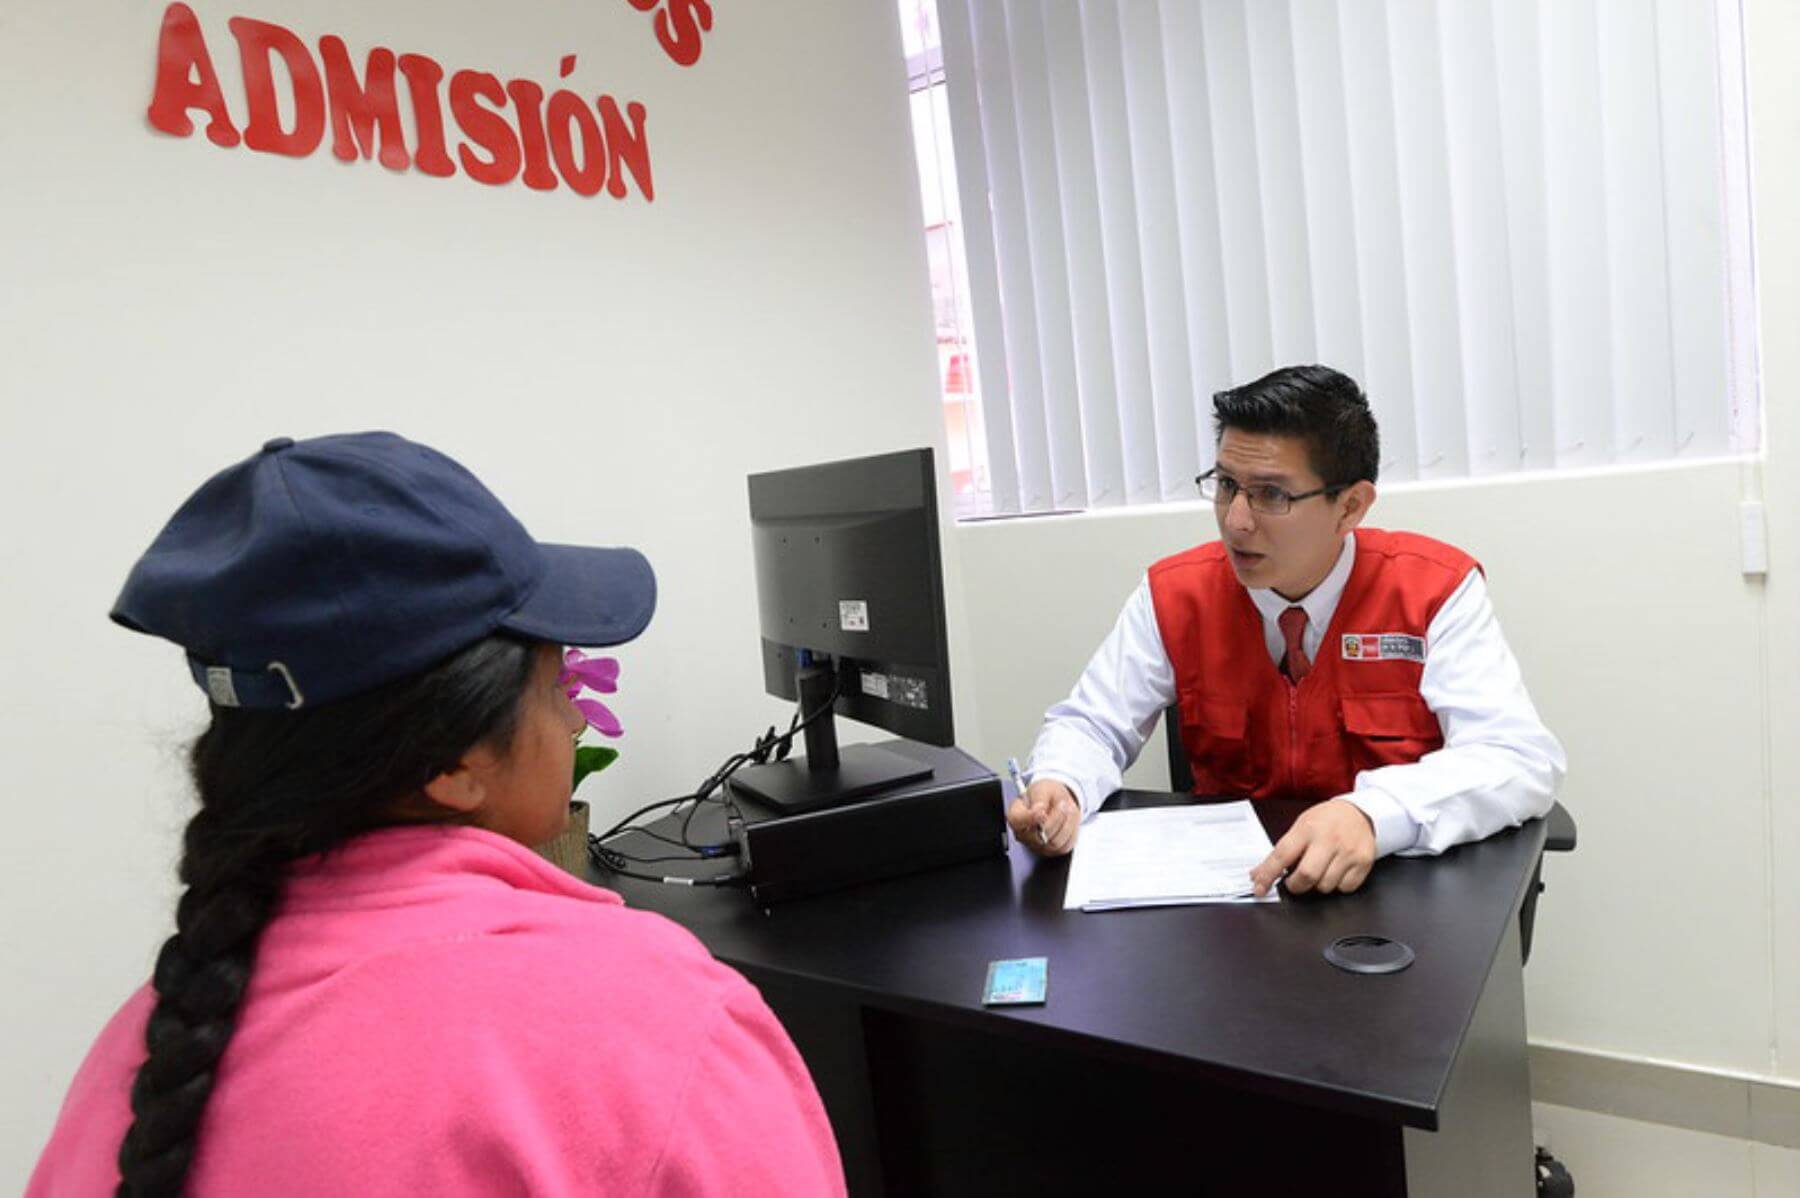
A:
(908, 692)
(896, 688)
(853, 616)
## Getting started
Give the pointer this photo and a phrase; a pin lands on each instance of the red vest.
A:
(1248, 730)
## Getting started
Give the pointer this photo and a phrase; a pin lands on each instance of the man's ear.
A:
(458, 789)
(1357, 499)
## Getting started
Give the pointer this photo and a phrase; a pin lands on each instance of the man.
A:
(1363, 670)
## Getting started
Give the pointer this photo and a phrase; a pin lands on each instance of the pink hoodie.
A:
(440, 1011)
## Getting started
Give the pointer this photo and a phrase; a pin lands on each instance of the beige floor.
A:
(1611, 1157)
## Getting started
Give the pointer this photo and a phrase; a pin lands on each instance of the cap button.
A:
(277, 444)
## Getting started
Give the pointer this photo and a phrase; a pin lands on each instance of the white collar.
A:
(1321, 601)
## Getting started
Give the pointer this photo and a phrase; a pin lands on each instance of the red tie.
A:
(1295, 664)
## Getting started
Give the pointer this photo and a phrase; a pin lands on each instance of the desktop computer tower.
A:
(954, 815)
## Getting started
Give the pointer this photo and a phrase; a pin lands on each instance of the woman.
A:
(374, 986)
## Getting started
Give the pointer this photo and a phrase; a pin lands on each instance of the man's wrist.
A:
(1368, 820)
(1393, 826)
(1063, 780)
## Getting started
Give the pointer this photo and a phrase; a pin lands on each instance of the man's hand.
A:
(1330, 848)
(1045, 818)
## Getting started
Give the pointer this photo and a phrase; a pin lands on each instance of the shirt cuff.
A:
(1075, 785)
(1395, 829)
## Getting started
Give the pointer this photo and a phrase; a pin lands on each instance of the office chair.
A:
(1559, 831)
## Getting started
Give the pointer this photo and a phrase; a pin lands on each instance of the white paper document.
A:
(1164, 856)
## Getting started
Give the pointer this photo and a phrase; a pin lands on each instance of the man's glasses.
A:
(1266, 498)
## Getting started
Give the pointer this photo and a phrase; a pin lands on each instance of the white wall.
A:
(1774, 40)
(1671, 933)
(611, 370)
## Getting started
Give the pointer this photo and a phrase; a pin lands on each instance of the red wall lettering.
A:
(422, 79)
(180, 55)
(586, 174)
(362, 112)
(679, 26)
(486, 128)
(256, 41)
(544, 143)
(627, 146)
(528, 98)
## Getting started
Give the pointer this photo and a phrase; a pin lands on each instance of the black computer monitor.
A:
(850, 593)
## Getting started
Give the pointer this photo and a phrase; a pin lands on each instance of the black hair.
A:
(1321, 406)
(275, 786)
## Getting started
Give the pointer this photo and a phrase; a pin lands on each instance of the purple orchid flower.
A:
(601, 674)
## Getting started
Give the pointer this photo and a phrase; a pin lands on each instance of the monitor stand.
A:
(825, 777)
(794, 786)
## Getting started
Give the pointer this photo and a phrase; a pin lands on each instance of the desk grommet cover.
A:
(1368, 954)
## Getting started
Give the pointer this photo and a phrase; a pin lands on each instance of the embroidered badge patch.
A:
(1383, 646)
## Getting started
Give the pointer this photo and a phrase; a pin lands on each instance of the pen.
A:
(1012, 764)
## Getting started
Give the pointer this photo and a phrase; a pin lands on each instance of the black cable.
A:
(621, 863)
(653, 834)
(615, 860)
(765, 746)
(644, 810)
(670, 880)
(651, 860)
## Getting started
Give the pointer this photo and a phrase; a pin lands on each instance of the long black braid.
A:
(275, 786)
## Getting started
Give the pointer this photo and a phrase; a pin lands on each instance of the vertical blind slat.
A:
(1230, 100)
(1281, 182)
(1742, 363)
(1489, 384)
(1580, 319)
(1330, 224)
(1012, 252)
(1122, 250)
(1165, 300)
(1696, 225)
(1198, 222)
(1642, 362)
(1049, 265)
(1697, 278)
(989, 349)
(1375, 200)
(1519, 83)
(1429, 251)
(1090, 325)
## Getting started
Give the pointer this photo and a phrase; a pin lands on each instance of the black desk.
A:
(1204, 1049)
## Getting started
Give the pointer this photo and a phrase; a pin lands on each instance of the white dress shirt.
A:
(1499, 765)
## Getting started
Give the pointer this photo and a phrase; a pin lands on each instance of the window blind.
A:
(1522, 225)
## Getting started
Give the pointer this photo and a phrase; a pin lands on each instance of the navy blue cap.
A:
(318, 569)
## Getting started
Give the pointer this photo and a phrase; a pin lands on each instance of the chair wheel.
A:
(1553, 1180)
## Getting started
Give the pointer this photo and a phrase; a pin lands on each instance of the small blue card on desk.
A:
(1024, 980)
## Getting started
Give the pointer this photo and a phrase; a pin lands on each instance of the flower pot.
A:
(569, 850)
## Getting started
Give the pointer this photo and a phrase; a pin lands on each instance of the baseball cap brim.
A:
(588, 597)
